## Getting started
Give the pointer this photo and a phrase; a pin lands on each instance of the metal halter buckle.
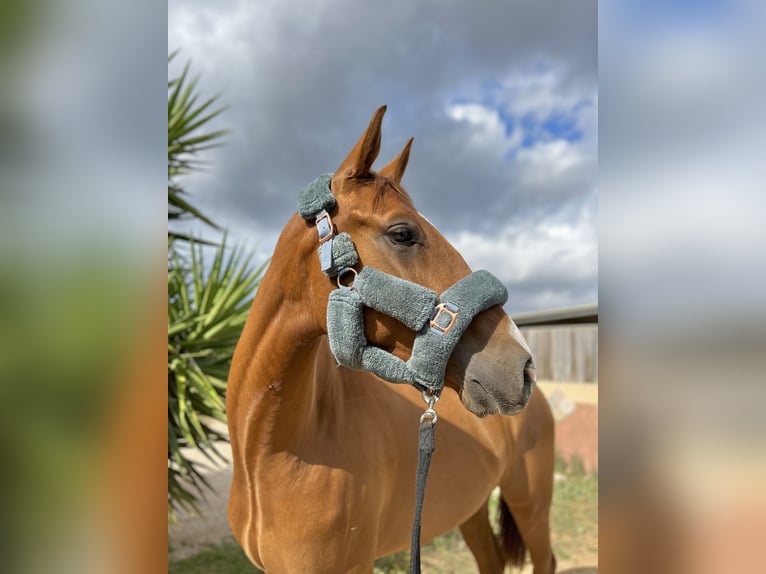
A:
(325, 227)
(430, 413)
(443, 309)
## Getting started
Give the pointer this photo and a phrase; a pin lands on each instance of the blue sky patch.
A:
(560, 124)
(562, 127)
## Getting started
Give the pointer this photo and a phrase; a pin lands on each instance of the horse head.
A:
(491, 367)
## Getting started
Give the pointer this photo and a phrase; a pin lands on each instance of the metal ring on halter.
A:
(341, 273)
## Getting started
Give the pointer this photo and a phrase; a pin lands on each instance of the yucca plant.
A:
(187, 115)
(208, 303)
(207, 310)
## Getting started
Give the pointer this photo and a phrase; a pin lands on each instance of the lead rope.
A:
(425, 450)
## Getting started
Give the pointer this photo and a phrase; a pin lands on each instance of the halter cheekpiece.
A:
(439, 321)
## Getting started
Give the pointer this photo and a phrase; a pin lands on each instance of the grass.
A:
(447, 554)
(227, 558)
(574, 525)
(574, 516)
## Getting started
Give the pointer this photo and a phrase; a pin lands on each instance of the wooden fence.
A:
(566, 353)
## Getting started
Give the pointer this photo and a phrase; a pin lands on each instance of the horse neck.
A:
(281, 358)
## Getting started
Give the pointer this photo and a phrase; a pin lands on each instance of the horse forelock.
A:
(385, 187)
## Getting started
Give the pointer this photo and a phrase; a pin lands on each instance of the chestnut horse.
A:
(324, 456)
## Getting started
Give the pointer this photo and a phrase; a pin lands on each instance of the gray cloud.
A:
(302, 78)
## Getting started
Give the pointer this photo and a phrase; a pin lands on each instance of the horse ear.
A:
(360, 159)
(395, 169)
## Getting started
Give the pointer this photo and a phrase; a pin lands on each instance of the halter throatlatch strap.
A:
(438, 322)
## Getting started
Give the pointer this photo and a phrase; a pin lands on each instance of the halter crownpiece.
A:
(438, 321)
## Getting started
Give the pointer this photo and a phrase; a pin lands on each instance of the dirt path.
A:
(190, 533)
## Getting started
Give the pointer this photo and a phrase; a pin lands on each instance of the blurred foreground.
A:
(682, 278)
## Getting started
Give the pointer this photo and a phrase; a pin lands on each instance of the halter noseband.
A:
(438, 321)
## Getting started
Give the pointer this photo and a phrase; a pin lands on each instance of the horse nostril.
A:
(530, 372)
(530, 378)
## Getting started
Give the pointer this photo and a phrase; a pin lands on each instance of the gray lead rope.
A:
(425, 450)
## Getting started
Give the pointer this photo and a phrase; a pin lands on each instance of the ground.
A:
(205, 546)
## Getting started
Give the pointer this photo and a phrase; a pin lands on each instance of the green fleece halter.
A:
(438, 321)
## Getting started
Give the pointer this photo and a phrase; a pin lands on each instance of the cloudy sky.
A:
(501, 100)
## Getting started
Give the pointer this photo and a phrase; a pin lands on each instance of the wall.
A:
(568, 353)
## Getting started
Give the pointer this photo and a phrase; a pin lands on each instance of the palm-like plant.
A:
(207, 305)
(186, 117)
(206, 313)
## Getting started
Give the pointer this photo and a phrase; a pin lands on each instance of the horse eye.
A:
(401, 234)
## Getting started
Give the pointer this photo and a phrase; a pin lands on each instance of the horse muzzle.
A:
(484, 393)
